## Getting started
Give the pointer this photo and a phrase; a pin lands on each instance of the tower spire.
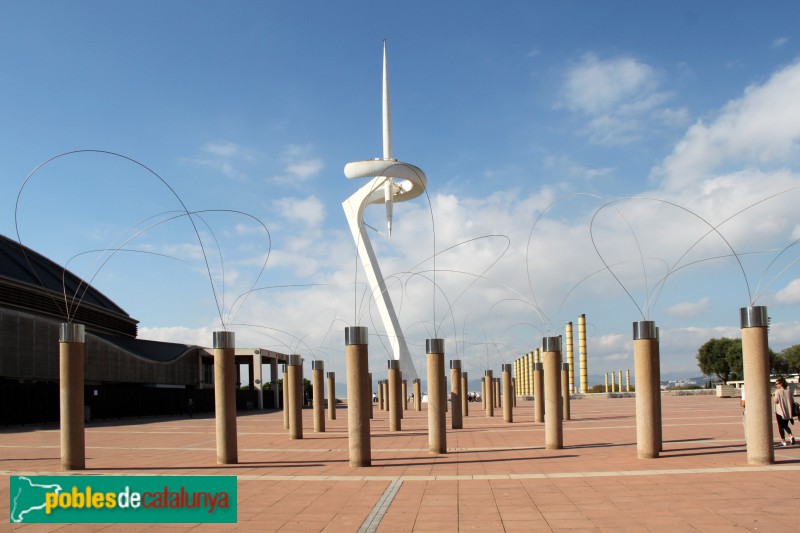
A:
(387, 114)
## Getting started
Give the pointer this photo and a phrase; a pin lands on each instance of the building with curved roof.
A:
(124, 375)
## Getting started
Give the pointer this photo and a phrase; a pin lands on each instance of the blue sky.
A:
(516, 111)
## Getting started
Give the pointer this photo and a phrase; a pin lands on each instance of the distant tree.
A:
(791, 358)
(722, 358)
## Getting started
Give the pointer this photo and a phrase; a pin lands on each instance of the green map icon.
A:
(27, 499)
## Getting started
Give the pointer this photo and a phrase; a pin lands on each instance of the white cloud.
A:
(595, 86)
(760, 128)
(779, 42)
(790, 294)
(301, 165)
(223, 148)
(689, 309)
(620, 96)
(225, 157)
(309, 211)
(183, 335)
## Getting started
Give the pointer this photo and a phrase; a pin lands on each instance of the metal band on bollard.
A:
(318, 365)
(434, 345)
(356, 335)
(295, 360)
(224, 340)
(330, 375)
(551, 344)
(754, 316)
(394, 364)
(644, 329)
(71, 332)
(455, 364)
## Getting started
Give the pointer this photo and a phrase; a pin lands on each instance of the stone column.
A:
(758, 408)
(446, 403)
(514, 391)
(417, 395)
(273, 379)
(404, 388)
(489, 393)
(357, 354)
(657, 391)
(258, 378)
(71, 345)
(497, 393)
(295, 397)
(285, 388)
(644, 343)
(613, 382)
(628, 380)
(553, 424)
(570, 358)
(381, 397)
(538, 392)
(394, 395)
(607, 387)
(583, 354)
(456, 394)
(225, 397)
(371, 403)
(437, 396)
(565, 390)
(529, 363)
(386, 395)
(465, 394)
(331, 395)
(483, 393)
(318, 401)
(508, 398)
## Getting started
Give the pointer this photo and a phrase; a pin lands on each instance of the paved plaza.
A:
(495, 476)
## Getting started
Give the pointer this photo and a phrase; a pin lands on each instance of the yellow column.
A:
(570, 358)
(582, 353)
(489, 393)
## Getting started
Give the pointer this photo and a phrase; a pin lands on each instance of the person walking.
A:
(783, 410)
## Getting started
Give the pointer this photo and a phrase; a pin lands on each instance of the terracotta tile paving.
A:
(495, 476)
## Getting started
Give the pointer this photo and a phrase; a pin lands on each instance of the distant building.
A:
(125, 376)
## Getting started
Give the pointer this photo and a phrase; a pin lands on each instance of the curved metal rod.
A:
(714, 229)
(533, 227)
(130, 159)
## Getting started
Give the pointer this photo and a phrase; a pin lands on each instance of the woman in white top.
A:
(783, 410)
